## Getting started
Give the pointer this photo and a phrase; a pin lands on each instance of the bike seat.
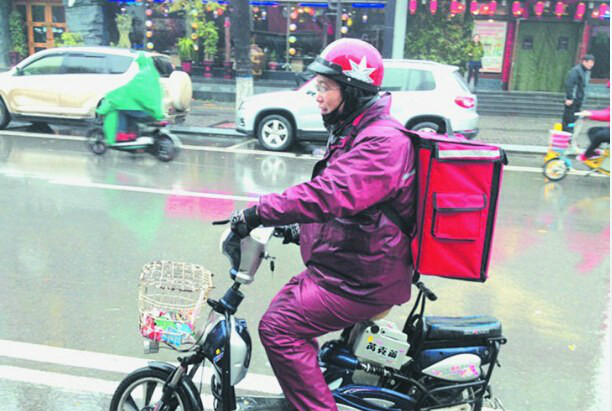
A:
(444, 328)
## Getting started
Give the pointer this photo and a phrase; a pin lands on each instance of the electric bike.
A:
(441, 363)
(151, 136)
(562, 146)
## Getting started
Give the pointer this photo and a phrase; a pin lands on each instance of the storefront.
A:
(44, 22)
(530, 46)
(295, 32)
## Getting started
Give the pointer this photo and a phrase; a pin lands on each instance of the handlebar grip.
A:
(428, 293)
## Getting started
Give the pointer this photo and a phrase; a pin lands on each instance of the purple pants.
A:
(300, 312)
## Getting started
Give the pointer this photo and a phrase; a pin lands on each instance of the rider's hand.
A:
(569, 102)
(244, 221)
(584, 113)
(289, 233)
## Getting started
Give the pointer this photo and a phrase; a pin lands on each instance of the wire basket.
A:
(170, 299)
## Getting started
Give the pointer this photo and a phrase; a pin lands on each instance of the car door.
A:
(86, 78)
(35, 88)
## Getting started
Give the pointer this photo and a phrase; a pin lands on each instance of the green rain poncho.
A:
(143, 93)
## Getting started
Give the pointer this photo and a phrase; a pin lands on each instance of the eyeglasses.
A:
(322, 88)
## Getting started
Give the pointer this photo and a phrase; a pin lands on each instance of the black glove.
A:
(244, 221)
(289, 233)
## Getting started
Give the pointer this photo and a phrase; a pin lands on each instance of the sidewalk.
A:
(515, 134)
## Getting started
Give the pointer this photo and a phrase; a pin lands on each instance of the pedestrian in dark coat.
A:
(575, 90)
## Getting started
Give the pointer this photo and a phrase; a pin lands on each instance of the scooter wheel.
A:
(166, 150)
(142, 389)
(555, 169)
(95, 141)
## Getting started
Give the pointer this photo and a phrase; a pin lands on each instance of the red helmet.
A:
(353, 62)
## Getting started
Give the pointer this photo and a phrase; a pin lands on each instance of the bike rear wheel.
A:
(555, 169)
(142, 389)
(95, 141)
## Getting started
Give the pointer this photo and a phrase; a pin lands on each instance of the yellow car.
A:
(64, 85)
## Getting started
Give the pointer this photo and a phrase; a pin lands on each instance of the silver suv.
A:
(424, 93)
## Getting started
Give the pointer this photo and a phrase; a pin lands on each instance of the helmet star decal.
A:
(360, 71)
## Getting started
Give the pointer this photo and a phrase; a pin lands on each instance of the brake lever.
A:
(221, 222)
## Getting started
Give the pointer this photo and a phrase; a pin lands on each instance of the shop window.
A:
(40, 34)
(562, 43)
(57, 14)
(38, 13)
(57, 32)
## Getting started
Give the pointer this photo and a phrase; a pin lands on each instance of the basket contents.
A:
(171, 297)
(169, 327)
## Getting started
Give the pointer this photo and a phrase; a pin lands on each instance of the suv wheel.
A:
(275, 132)
(5, 117)
(426, 126)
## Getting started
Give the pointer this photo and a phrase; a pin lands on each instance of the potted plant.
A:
(18, 39)
(185, 49)
(69, 39)
(209, 34)
(124, 27)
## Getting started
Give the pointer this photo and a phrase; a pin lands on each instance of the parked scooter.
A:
(442, 363)
(152, 137)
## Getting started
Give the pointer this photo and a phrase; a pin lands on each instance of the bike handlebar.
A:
(428, 293)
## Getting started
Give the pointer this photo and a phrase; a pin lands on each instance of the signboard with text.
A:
(493, 39)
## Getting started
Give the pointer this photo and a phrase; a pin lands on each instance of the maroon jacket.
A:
(348, 245)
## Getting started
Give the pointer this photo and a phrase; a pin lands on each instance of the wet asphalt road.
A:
(78, 228)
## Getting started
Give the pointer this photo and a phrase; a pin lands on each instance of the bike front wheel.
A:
(143, 389)
(166, 150)
(555, 169)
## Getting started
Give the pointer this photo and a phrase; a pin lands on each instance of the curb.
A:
(215, 131)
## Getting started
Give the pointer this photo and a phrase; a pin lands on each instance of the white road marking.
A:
(41, 135)
(70, 382)
(262, 384)
(110, 363)
(252, 152)
(538, 170)
(236, 150)
(183, 193)
(244, 143)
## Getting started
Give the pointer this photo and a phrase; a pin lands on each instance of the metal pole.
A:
(387, 48)
(338, 18)
(399, 30)
(287, 44)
